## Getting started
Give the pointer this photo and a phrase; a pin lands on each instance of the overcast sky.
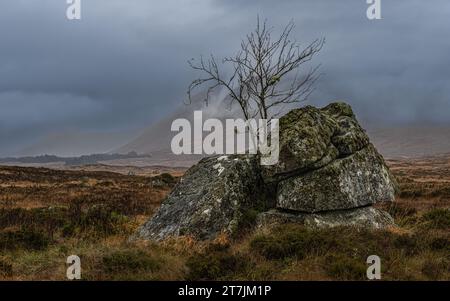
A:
(123, 65)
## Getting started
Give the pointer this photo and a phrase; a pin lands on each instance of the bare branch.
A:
(266, 73)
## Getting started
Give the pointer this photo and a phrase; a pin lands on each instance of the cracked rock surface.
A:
(354, 181)
(311, 138)
(212, 197)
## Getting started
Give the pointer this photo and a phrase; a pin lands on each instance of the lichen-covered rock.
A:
(368, 217)
(311, 138)
(328, 174)
(354, 181)
(211, 198)
(349, 137)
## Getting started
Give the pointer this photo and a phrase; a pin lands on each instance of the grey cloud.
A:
(124, 64)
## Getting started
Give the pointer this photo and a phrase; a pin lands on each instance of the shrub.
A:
(296, 241)
(437, 219)
(400, 212)
(46, 218)
(130, 261)
(435, 268)
(246, 222)
(6, 269)
(68, 230)
(99, 218)
(163, 180)
(96, 218)
(345, 268)
(167, 178)
(272, 248)
(409, 244)
(23, 239)
(440, 244)
(215, 263)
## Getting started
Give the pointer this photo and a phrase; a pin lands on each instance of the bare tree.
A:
(265, 72)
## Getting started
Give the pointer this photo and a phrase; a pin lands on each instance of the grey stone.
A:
(350, 137)
(311, 138)
(354, 181)
(328, 174)
(211, 198)
(368, 217)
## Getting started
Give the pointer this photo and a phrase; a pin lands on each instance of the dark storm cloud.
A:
(124, 64)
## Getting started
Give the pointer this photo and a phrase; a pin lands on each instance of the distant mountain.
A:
(392, 142)
(156, 138)
(73, 161)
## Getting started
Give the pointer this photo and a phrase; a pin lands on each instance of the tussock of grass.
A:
(435, 268)
(299, 242)
(130, 261)
(216, 262)
(95, 220)
(48, 218)
(403, 214)
(167, 178)
(437, 219)
(341, 267)
(6, 268)
(440, 244)
(23, 239)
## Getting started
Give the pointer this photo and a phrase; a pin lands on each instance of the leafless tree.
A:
(265, 73)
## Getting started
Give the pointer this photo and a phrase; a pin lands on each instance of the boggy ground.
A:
(47, 215)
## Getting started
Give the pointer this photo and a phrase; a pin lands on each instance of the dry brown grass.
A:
(47, 215)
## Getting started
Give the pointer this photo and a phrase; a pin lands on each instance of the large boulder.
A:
(211, 198)
(354, 181)
(328, 174)
(311, 138)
